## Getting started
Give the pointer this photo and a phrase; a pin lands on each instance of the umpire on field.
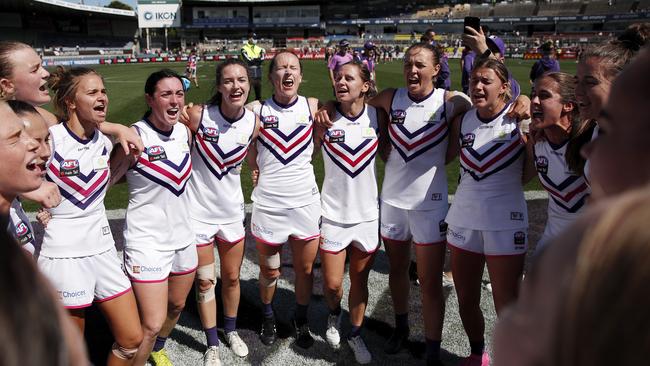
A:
(253, 55)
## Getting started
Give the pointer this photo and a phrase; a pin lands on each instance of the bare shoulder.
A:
(49, 117)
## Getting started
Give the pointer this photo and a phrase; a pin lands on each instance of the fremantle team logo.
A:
(210, 134)
(336, 136)
(468, 140)
(270, 121)
(398, 116)
(520, 239)
(69, 168)
(156, 152)
(541, 162)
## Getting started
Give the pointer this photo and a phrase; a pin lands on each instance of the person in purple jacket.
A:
(341, 57)
(546, 64)
(466, 65)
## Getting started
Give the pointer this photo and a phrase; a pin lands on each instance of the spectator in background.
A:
(546, 64)
(368, 59)
(190, 68)
(466, 63)
(340, 58)
(253, 55)
(443, 80)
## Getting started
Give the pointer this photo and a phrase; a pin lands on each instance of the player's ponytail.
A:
(617, 53)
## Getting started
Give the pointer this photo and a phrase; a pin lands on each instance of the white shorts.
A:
(274, 226)
(489, 243)
(205, 233)
(422, 227)
(147, 265)
(335, 237)
(82, 280)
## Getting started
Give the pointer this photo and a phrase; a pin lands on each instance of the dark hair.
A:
(617, 53)
(216, 97)
(499, 68)
(152, 82)
(64, 83)
(273, 62)
(580, 130)
(434, 51)
(365, 76)
(21, 108)
(31, 332)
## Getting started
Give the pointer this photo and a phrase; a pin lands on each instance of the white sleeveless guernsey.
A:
(157, 215)
(284, 148)
(490, 195)
(585, 170)
(19, 226)
(80, 168)
(567, 191)
(350, 186)
(415, 177)
(220, 146)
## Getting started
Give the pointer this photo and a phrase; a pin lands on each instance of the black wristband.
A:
(486, 54)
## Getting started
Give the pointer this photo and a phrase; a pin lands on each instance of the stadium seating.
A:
(559, 9)
(604, 7)
(510, 10)
(482, 10)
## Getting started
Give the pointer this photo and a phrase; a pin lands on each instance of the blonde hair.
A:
(607, 300)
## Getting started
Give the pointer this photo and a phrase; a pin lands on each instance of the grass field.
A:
(125, 85)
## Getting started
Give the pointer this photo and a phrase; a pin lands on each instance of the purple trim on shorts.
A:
(504, 255)
(266, 242)
(408, 241)
(203, 244)
(434, 243)
(184, 272)
(331, 251)
(307, 238)
(374, 250)
(224, 241)
(114, 296)
(464, 250)
(148, 281)
(74, 307)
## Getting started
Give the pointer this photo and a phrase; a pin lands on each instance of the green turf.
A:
(125, 84)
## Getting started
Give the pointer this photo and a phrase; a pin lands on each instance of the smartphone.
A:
(472, 22)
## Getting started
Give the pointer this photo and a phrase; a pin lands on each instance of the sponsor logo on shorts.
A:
(468, 140)
(336, 136)
(329, 242)
(314, 191)
(443, 227)
(270, 121)
(106, 230)
(143, 269)
(210, 134)
(455, 235)
(436, 197)
(388, 228)
(71, 294)
(398, 116)
(517, 216)
(69, 167)
(156, 152)
(541, 162)
(520, 240)
(260, 229)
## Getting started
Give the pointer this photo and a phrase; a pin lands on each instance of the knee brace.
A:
(206, 273)
(123, 353)
(271, 262)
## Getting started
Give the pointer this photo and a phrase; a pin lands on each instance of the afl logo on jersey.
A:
(270, 121)
(398, 116)
(156, 152)
(541, 162)
(21, 229)
(210, 134)
(336, 136)
(468, 140)
(69, 168)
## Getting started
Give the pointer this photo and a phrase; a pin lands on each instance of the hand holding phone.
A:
(472, 22)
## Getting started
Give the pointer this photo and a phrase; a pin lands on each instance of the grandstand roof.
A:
(63, 7)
